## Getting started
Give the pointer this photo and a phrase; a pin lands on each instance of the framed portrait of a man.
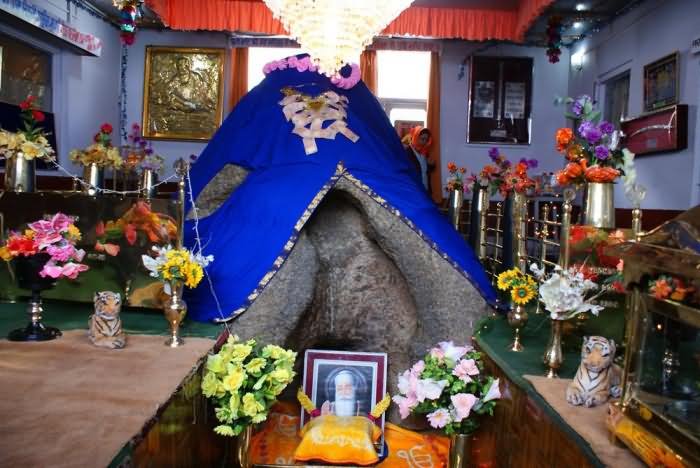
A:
(183, 93)
(344, 383)
(661, 82)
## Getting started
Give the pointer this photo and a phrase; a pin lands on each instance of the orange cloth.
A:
(448, 23)
(278, 437)
(239, 76)
(339, 440)
(433, 122)
(368, 69)
(415, 135)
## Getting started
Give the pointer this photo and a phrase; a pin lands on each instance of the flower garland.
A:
(346, 78)
(554, 38)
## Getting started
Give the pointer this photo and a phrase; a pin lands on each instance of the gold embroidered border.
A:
(381, 201)
(340, 171)
(288, 246)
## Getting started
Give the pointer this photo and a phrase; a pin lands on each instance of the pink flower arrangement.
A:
(449, 387)
(57, 238)
(302, 64)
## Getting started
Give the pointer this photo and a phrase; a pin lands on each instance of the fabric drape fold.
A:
(368, 69)
(433, 123)
(253, 16)
(239, 75)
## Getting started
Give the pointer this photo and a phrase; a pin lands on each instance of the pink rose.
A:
(437, 353)
(51, 270)
(464, 369)
(406, 404)
(418, 368)
(61, 253)
(463, 403)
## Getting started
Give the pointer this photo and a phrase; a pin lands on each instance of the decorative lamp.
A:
(335, 32)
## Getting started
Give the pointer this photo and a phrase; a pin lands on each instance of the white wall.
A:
(170, 149)
(86, 88)
(549, 81)
(654, 29)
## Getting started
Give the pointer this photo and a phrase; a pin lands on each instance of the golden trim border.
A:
(340, 172)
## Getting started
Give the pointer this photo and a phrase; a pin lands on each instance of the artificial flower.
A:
(661, 289)
(521, 295)
(463, 403)
(601, 174)
(465, 369)
(566, 293)
(234, 379)
(449, 392)
(439, 418)
(493, 393)
(564, 136)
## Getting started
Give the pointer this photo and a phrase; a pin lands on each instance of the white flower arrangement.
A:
(566, 293)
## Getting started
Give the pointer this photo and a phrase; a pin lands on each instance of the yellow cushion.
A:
(339, 439)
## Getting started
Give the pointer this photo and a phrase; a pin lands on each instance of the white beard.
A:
(345, 407)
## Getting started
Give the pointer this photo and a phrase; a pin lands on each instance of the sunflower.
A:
(522, 294)
(506, 278)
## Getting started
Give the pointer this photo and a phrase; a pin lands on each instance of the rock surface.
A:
(359, 278)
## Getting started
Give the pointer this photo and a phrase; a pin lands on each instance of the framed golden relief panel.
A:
(183, 93)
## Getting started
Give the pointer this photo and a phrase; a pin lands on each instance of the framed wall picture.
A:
(500, 100)
(183, 93)
(344, 383)
(661, 83)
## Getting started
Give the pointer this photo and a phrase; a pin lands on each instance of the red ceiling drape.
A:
(446, 23)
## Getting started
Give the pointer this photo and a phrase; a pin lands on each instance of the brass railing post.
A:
(519, 231)
(637, 223)
(181, 169)
(569, 195)
(483, 206)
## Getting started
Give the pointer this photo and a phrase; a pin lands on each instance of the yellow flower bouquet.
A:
(101, 152)
(244, 379)
(178, 265)
(522, 287)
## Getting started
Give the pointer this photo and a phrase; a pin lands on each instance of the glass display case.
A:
(658, 415)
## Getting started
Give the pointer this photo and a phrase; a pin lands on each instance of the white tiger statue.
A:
(105, 325)
(597, 378)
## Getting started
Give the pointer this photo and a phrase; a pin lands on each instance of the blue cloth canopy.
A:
(252, 232)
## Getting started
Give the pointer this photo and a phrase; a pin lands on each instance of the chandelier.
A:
(335, 32)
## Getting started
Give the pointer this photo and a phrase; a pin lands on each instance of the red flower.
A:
(452, 167)
(106, 128)
(24, 105)
(21, 245)
(100, 229)
(130, 232)
(38, 115)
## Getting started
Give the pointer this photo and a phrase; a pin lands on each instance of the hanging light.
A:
(335, 32)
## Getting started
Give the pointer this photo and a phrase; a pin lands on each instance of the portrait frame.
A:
(171, 115)
(662, 82)
(369, 369)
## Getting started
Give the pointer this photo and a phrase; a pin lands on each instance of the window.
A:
(24, 70)
(259, 56)
(617, 90)
(403, 82)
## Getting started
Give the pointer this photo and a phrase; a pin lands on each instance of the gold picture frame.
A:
(183, 93)
(662, 82)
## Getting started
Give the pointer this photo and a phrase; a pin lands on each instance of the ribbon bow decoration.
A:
(308, 114)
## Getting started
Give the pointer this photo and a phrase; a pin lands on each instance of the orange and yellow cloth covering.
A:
(276, 442)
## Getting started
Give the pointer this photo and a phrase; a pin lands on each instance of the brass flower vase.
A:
(175, 310)
(553, 356)
(599, 205)
(517, 319)
(460, 451)
(20, 173)
(243, 447)
(148, 182)
(94, 175)
(454, 207)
